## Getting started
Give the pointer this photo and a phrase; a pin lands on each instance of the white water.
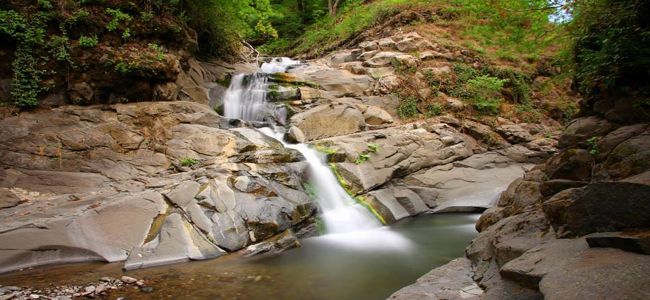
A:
(347, 222)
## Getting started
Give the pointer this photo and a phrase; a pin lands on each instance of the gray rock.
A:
(599, 274)
(183, 194)
(451, 281)
(295, 135)
(582, 129)
(328, 120)
(377, 116)
(177, 242)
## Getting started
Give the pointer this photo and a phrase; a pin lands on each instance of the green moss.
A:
(363, 201)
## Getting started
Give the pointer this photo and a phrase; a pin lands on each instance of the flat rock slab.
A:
(600, 274)
(451, 281)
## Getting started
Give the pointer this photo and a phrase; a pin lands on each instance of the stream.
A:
(322, 268)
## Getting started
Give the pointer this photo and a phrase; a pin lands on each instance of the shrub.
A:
(189, 162)
(117, 17)
(408, 108)
(88, 41)
(485, 92)
(434, 109)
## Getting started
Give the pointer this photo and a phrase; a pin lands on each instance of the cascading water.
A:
(345, 220)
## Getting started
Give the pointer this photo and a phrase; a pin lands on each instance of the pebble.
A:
(128, 280)
(146, 289)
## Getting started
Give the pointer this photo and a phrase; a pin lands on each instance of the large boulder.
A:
(599, 207)
(328, 120)
(582, 129)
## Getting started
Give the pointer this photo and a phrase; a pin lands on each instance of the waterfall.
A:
(344, 219)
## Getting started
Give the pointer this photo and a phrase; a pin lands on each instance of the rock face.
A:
(563, 223)
(156, 182)
(451, 281)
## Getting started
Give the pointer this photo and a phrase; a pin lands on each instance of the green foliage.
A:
(434, 109)
(363, 157)
(59, 48)
(408, 108)
(485, 92)
(611, 51)
(593, 145)
(373, 148)
(222, 24)
(118, 17)
(160, 54)
(189, 162)
(88, 41)
(28, 33)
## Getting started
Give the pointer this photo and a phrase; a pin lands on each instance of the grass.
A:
(189, 162)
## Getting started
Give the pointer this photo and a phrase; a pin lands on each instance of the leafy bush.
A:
(88, 41)
(434, 109)
(485, 92)
(408, 108)
(189, 162)
(118, 17)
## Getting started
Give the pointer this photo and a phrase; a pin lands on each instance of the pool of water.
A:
(367, 265)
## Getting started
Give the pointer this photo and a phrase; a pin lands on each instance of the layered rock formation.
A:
(582, 217)
(155, 182)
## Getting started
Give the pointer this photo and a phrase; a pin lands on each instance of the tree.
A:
(332, 6)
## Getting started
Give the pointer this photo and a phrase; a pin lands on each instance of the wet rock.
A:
(400, 202)
(295, 135)
(451, 281)
(284, 241)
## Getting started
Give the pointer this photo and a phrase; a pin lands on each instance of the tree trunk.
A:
(333, 5)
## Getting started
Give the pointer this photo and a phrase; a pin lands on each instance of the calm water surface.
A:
(363, 265)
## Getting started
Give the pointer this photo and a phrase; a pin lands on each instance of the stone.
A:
(554, 186)
(295, 135)
(165, 92)
(451, 281)
(599, 207)
(328, 120)
(8, 198)
(377, 116)
(629, 158)
(582, 129)
(386, 44)
(570, 164)
(386, 58)
(184, 193)
(279, 243)
(81, 93)
(400, 203)
(529, 268)
(633, 241)
(454, 104)
(128, 279)
(599, 273)
(177, 242)
(368, 45)
(607, 143)
(515, 133)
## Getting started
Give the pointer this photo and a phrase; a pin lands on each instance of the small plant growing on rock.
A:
(593, 145)
(434, 109)
(374, 148)
(189, 162)
(363, 157)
